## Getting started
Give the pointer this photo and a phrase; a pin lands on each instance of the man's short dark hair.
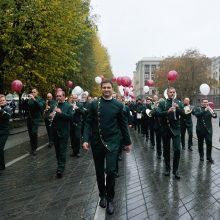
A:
(106, 81)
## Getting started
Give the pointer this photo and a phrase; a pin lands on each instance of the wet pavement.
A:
(30, 190)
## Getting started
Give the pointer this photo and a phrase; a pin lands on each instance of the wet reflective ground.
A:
(30, 190)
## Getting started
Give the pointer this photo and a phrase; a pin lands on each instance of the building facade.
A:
(145, 70)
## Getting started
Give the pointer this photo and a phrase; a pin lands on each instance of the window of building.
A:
(153, 68)
(146, 68)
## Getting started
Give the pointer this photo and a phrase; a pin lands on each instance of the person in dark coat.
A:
(170, 111)
(50, 105)
(5, 115)
(107, 122)
(186, 124)
(61, 117)
(35, 111)
(204, 115)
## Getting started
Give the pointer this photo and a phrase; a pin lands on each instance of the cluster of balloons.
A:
(123, 81)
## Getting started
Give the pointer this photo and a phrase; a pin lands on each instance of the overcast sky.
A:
(133, 29)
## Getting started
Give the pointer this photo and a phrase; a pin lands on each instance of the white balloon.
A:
(77, 90)
(98, 80)
(204, 89)
(146, 89)
(86, 93)
(121, 90)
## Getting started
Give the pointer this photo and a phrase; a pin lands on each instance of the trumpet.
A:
(208, 108)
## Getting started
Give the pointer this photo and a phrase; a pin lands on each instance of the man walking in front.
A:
(106, 122)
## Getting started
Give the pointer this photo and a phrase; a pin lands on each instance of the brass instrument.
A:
(187, 109)
(149, 111)
(210, 110)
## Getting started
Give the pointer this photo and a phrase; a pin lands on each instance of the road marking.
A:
(23, 156)
(99, 213)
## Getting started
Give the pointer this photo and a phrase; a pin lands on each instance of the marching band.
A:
(157, 120)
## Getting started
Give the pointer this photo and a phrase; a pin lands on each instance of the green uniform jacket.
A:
(168, 120)
(204, 119)
(107, 122)
(61, 121)
(35, 108)
(5, 115)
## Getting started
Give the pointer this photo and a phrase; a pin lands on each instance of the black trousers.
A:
(60, 144)
(3, 139)
(190, 134)
(32, 126)
(204, 135)
(105, 163)
(167, 136)
(158, 141)
(75, 138)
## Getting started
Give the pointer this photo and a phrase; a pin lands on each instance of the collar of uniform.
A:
(107, 99)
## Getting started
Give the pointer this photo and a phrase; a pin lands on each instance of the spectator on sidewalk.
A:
(13, 107)
(35, 110)
(5, 115)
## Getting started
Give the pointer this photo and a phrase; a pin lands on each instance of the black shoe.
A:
(59, 174)
(50, 145)
(176, 175)
(158, 157)
(210, 160)
(102, 202)
(33, 153)
(119, 158)
(110, 208)
(201, 158)
(190, 148)
(78, 155)
(166, 173)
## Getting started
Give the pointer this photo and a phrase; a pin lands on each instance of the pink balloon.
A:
(172, 75)
(114, 79)
(149, 83)
(69, 84)
(16, 86)
(126, 81)
(119, 79)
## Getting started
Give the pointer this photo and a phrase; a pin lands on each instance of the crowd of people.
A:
(103, 123)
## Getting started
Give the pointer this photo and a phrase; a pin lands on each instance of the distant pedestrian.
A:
(5, 115)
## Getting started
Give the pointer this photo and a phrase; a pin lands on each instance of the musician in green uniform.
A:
(106, 121)
(204, 115)
(61, 117)
(76, 125)
(186, 124)
(50, 104)
(5, 115)
(35, 111)
(170, 111)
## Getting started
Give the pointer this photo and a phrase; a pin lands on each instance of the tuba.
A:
(148, 112)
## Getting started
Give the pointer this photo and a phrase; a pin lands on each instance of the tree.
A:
(193, 69)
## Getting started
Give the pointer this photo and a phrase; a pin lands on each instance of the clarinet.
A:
(52, 115)
(174, 112)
